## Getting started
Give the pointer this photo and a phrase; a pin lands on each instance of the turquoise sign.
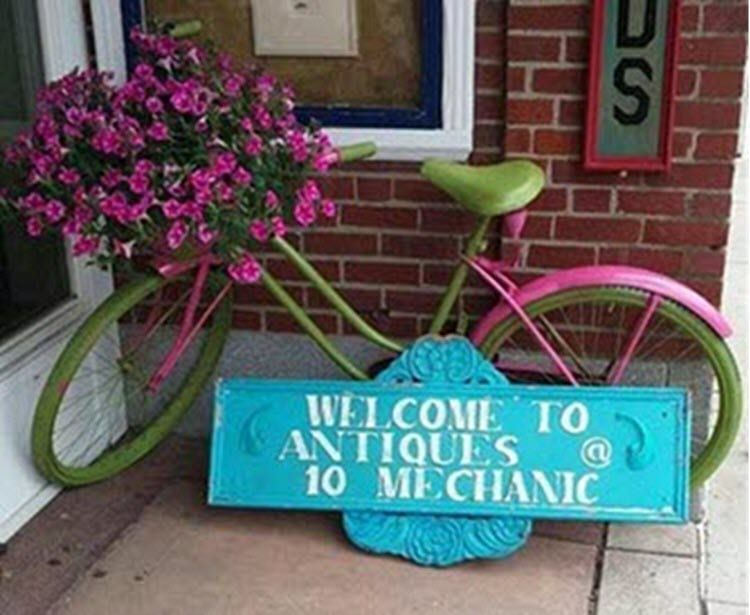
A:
(442, 433)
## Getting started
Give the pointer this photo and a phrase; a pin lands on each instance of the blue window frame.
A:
(427, 115)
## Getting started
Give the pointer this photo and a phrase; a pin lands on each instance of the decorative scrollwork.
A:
(428, 539)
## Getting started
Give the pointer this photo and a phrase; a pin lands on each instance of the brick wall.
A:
(392, 246)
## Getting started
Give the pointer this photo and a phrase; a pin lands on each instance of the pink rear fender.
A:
(608, 275)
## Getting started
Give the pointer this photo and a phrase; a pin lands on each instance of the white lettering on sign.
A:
(437, 448)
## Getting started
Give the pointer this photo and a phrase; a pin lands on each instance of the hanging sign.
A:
(632, 76)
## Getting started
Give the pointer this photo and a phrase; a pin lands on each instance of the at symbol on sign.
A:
(596, 452)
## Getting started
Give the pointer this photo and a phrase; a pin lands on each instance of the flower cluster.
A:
(190, 152)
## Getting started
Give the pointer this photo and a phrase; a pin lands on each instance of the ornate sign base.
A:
(440, 460)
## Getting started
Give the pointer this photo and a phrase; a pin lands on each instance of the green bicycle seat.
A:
(491, 190)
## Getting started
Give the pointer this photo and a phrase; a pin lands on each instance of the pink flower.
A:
(328, 208)
(253, 146)
(69, 177)
(86, 244)
(144, 167)
(259, 231)
(182, 101)
(54, 210)
(242, 176)
(106, 140)
(111, 178)
(304, 213)
(172, 208)
(310, 191)
(272, 201)
(176, 234)
(245, 271)
(124, 249)
(205, 234)
(225, 192)
(225, 163)
(139, 184)
(158, 131)
(278, 226)
(262, 117)
(247, 124)
(144, 72)
(233, 85)
(202, 179)
(75, 115)
(154, 105)
(34, 227)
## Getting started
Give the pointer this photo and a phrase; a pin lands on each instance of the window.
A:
(436, 119)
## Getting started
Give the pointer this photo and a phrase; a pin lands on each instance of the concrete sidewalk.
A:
(146, 543)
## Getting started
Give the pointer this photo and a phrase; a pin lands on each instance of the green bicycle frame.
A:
(339, 303)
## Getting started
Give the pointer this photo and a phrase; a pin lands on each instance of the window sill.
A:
(408, 144)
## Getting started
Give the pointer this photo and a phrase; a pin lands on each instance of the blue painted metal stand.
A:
(439, 540)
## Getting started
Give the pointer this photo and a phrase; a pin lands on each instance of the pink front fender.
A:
(608, 275)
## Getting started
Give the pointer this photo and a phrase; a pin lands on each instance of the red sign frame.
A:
(593, 160)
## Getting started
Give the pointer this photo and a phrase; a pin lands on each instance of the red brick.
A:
(437, 275)
(682, 141)
(478, 304)
(704, 262)
(517, 140)
(489, 14)
(558, 257)
(724, 17)
(713, 50)
(572, 112)
(689, 18)
(685, 233)
(379, 216)
(524, 111)
(447, 220)
(516, 78)
(489, 45)
(572, 172)
(697, 175)
(361, 299)
(412, 301)
(711, 205)
(548, 17)
(538, 227)
(592, 200)
(716, 146)
(253, 294)
(381, 273)
(551, 199)
(557, 141)
(488, 135)
(710, 290)
(489, 76)
(340, 243)
(246, 319)
(420, 191)
(576, 49)
(559, 80)
(599, 230)
(686, 80)
(533, 48)
(661, 260)
(488, 106)
(285, 271)
(707, 115)
(721, 83)
(283, 322)
(337, 186)
(374, 188)
(653, 202)
(412, 246)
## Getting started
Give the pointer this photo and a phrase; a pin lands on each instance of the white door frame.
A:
(26, 357)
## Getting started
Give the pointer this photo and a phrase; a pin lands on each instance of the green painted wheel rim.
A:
(720, 357)
(120, 457)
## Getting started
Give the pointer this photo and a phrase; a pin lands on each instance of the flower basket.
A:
(191, 154)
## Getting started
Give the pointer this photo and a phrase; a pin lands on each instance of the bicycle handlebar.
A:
(358, 151)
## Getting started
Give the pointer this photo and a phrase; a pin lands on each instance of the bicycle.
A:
(152, 346)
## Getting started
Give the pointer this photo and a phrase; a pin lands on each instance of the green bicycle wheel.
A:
(589, 328)
(97, 413)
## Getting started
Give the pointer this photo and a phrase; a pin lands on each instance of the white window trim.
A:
(454, 140)
(63, 41)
